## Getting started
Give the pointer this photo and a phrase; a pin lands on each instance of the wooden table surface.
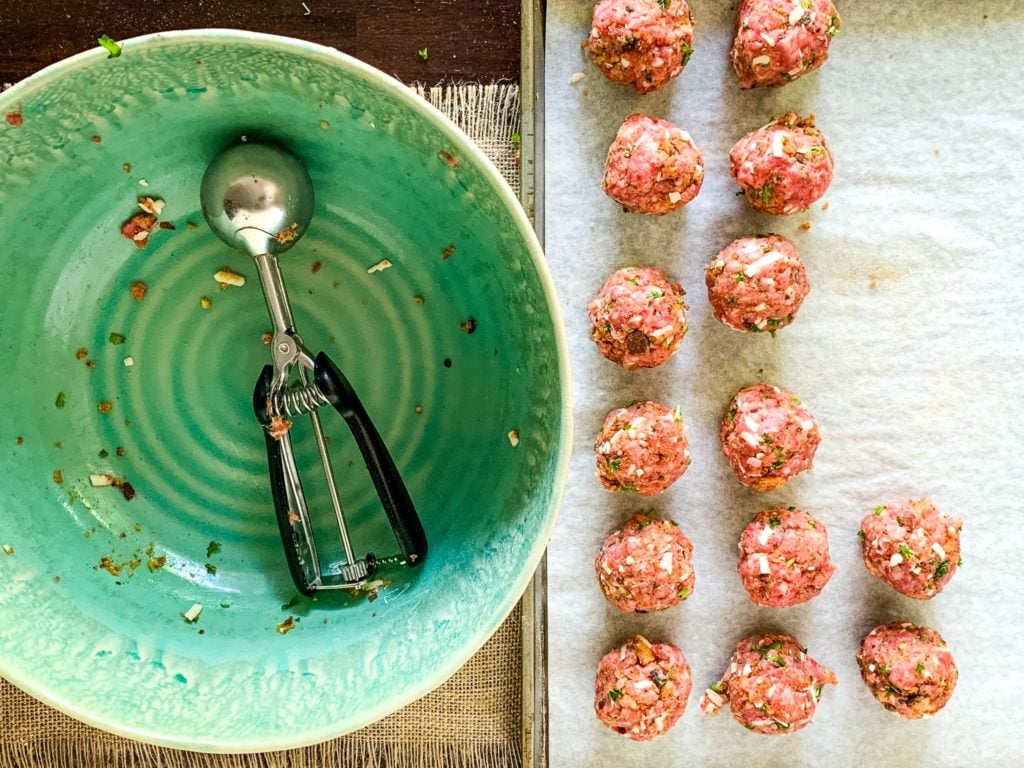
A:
(466, 40)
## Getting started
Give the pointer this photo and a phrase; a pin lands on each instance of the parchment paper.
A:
(908, 351)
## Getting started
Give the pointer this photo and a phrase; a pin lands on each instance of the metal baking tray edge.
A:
(533, 626)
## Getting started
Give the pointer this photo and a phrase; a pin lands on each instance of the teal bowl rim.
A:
(442, 672)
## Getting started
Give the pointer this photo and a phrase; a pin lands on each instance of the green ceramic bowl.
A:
(85, 624)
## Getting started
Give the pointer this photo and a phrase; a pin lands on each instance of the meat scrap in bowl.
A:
(641, 43)
(642, 688)
(772, 686)
(653, 166)
(638, 318)
(646, 565)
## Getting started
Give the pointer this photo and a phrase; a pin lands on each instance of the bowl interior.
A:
(95, 586)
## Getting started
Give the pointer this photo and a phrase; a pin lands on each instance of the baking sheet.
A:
(908, 351)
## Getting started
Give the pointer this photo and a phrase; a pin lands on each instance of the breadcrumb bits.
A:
(229, 277)
(279, 427)
(143, 183)
(513, 438)
(449, 159)
(58, 477)
(380, 266)
(576, 77)
(8, 549)
(104, 406)
(324, 124)
(156, 563)
(129, 361)
(468, 325)
(419, 409)
(100, 481)
(108, 565)
(152, 205)
(805, 226)
(204, 302)
(192, 614)
(138, 228)
(81, 353)
(316, 266)
(267, 337)
(287, 234)
(138, 290)
(448, 252)
(127, 167)
(286, 626)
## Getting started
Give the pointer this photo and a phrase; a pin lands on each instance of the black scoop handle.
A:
(394, 497)
(278, 489)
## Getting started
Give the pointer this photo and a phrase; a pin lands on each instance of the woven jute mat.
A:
(473, 720)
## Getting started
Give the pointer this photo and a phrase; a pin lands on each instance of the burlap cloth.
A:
(472, 720)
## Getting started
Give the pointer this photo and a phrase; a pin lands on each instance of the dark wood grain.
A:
(466, 40)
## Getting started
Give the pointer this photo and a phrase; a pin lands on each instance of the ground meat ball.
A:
(642, 448)
(642, 688)
(642, 43)
(757, 284)
(784, 557)
(783, 167)
(911, 546)
(908, 669)
(778, 41)
(638, 317)
(652, 166)
(768, 436)
(771, 685)
(646, 565)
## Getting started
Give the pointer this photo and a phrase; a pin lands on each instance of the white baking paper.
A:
(908, 351)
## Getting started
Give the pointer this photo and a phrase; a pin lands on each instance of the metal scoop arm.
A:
(394, 497)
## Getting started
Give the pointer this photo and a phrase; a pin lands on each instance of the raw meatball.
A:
(768, 436)
(772, 685)
(784, 557)
(783, 167)
(642, 448)
(642, 688)
(638, 317)
(911, 546)
(908, 669)
(642, 43)
(757, 284)
(778, 41)
(646, 565)
(652, 166)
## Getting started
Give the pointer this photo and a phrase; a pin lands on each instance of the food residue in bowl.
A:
(138, 228)
(192, 614)
(228, 277)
